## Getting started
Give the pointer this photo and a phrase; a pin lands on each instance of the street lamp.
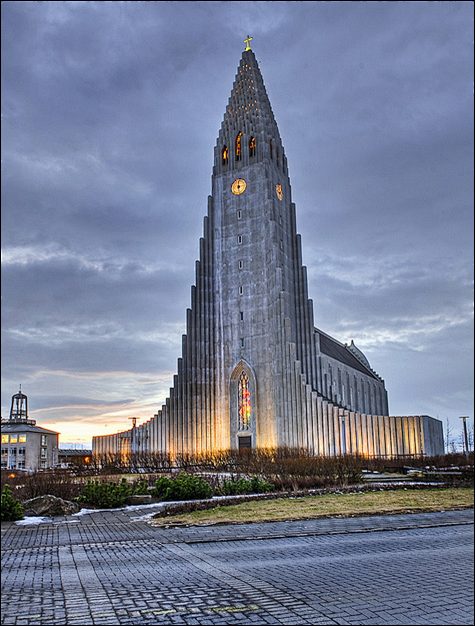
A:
(465, 434)
(134, 440)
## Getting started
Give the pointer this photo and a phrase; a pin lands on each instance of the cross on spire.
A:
(247, 42)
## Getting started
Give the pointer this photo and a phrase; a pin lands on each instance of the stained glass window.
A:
(252, 147)
(244, 400)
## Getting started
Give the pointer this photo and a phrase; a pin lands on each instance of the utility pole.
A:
(465, 434)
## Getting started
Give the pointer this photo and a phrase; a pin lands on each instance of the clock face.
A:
(238, 186)
(278, 190)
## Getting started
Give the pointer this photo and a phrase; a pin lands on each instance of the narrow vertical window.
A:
(244, 402)
(239, 146)
(239, 238)
(225, 155)
(252, 147)
(271, 149)
(240, 264)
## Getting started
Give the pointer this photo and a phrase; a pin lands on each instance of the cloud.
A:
(110, 113)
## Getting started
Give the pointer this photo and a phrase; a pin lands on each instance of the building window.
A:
(13, 438)
(21, 451)
(240, 290)
(4, 451)
(21, 465)
(238, 146)
(239, 238)
(44, 453)
(4, 438)
(240, 264)
(252, 147)
(244, 402)
(271, 149)
(43, 440)
(239, 214)
(21, 438)
(225, 155)
(241, 314)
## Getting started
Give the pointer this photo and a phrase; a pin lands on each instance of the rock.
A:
(49, 506)
(144, 499)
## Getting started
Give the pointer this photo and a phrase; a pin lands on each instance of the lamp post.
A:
(134, 440)
(465, 434)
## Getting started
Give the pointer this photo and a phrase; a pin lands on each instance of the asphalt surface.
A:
(112, 567)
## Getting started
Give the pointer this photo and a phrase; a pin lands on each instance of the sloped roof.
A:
(336, 350)
(18, 427)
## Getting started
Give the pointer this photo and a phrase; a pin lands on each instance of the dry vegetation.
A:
(326, 505)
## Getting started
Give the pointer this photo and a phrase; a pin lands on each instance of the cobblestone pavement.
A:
(113, 568)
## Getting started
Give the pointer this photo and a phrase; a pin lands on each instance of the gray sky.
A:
(110, 114)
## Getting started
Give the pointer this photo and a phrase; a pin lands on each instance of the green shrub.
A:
(105, 495)
(141, 488)
(242, 486)
(183, 487)
(12, 510)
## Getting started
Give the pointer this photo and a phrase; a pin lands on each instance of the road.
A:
(114, 568)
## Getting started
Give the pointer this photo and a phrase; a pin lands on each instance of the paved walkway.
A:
(111, 567)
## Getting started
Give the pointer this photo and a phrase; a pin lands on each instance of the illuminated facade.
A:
(26, 446)
(254, 370)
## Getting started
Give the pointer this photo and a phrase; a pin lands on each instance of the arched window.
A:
(238, 146)
(252, 147)
(225, 155)
(244, 402)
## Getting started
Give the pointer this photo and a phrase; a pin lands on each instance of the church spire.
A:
(249, 132)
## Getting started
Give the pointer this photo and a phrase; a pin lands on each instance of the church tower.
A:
(260, 287)
(254, 370)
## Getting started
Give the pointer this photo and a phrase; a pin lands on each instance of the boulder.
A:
(49, 506)
(139, 499)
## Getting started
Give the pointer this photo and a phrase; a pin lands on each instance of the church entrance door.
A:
(244, 443)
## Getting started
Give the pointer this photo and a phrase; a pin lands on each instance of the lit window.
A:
(13, 438)
(238, 146)
(225, 155)
(244, 402)
(21, 438)
(4, 438)
(252, 147)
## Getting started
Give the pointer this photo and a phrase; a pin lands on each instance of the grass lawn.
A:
(313, 506)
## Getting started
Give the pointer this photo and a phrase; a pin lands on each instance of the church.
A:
(255, 372)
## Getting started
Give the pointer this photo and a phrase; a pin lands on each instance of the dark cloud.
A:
(110, 112)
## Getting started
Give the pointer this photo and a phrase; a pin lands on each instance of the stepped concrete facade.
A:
(255, 371)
